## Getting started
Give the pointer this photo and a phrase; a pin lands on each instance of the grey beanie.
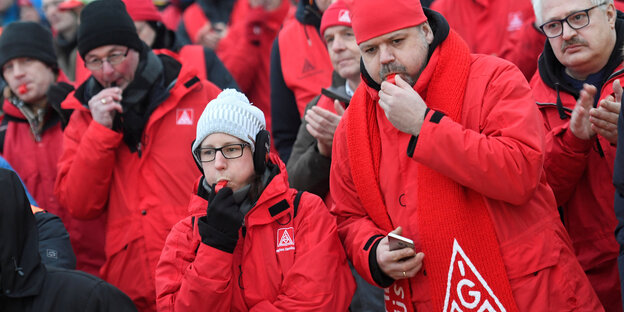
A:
(230, 113)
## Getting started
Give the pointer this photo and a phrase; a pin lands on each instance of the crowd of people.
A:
(311, 155)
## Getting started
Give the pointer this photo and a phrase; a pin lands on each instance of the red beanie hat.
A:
(373, 18)
(337, 14)
(142, 11)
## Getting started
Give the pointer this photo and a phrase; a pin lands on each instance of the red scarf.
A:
(454, 225)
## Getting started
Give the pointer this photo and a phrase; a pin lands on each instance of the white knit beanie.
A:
(230, 113)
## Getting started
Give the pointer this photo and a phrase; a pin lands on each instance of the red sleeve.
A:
(86, 166)
(502, 147)
(356, 230)
(566, 159)
(191, 276)
(194, 19)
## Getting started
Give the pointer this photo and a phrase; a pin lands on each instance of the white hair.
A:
(537, 7)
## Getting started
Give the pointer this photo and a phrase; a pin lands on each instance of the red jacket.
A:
(143, 197)
(497, 151)
(580, 173)
(485, 24)
(309, 274)
(305, 62)
(36, 163)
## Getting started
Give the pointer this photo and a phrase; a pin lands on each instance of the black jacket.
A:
(25, 283)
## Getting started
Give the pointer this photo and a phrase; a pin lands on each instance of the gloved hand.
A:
(219, 227)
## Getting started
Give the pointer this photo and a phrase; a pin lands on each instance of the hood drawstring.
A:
(18, 269)
(562, 113)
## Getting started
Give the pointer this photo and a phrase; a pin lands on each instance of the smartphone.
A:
(399, 242)
(335, 95)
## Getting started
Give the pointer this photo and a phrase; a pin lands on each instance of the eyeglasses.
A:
(230, 151)
(576, 21)
(113, 59)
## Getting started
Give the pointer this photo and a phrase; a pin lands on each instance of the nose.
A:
(107, 68)
(385, 55)
(567, 31)
(18, 69)
(338, 44)
(220, 161)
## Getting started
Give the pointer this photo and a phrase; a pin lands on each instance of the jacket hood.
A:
(21, 271)
(550, 68)
(308, 14)
(440, 28)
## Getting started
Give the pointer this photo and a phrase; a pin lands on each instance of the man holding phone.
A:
(450, 156)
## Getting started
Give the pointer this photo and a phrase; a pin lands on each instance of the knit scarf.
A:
(462, 255)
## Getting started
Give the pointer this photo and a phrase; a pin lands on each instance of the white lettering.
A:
(474, 294)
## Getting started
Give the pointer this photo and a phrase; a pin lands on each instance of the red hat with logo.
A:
(373, 18)
(142, 10)
(337, 14)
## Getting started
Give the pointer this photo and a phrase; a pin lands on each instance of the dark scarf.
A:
(449, 215)
(154, 77)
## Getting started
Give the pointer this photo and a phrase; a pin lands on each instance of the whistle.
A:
(22, 89)
(220, 185)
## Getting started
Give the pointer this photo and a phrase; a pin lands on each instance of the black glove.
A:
(56, 95)
(219, 228)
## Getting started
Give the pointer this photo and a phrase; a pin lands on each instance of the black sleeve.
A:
(54, 246)
(107, 298)
(217, 73)
(181, 33)
(307, 169)
(377, 274)
(284, 113)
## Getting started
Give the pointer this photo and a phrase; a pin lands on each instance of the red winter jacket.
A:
(266, 272)
(485, 24)
(143, 197)
(497, 151)
(305, 62)
(36, 163)
(580, 173)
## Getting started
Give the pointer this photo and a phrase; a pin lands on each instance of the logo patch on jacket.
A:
(466, 289)
(285, 239)
(184, 116)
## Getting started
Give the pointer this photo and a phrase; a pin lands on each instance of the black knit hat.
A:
(106, 22)
(27, 39)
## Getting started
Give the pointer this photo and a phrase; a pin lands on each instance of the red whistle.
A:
(22, 89)
(391, 79)
(220, 185)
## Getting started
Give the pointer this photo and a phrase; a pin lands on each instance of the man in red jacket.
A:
(31, 134)
(257, 244)
(582, 60)
(449, 154)
(122, 153)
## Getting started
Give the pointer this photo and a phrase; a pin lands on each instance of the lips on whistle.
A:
(391, 79)
(221, 184)
(22, 89)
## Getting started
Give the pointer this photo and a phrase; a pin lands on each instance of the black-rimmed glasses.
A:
(113, 59)
(230, 151)
(576, 21)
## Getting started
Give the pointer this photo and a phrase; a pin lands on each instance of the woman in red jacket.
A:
(260, 245)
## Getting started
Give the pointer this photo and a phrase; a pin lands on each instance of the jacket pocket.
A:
(544, 273)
